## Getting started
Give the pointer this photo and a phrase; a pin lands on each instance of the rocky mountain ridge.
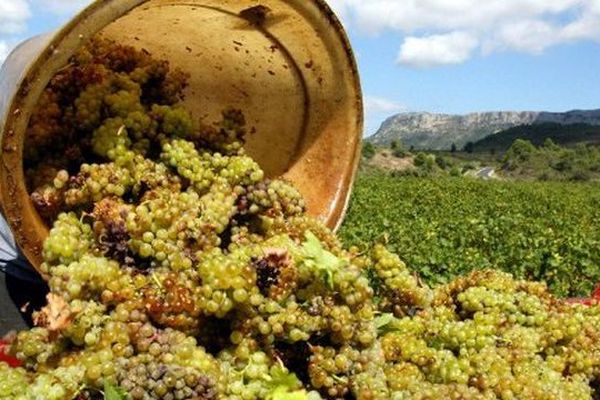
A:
(424, 130)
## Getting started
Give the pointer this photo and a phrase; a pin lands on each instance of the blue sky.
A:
(451, 56)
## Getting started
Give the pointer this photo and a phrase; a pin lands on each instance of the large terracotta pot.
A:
(286, 63)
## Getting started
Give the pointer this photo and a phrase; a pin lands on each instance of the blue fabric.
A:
(12, 261)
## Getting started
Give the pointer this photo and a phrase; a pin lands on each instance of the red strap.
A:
(580, 300)
(595, 298)
(4, 357)
(596, 294)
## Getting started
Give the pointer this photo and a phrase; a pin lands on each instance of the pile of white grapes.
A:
(178, 271)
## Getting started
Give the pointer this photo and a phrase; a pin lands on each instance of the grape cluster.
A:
(489, 336)
(403, 292)
(275, 197)
(144, 378)
(178, 271)
(85, 109)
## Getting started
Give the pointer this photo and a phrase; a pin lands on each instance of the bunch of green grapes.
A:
(490, 336)
(105, 88)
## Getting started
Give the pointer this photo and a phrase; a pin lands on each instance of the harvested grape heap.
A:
(177, 271)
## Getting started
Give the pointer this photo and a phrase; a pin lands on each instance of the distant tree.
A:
(493, 151)
(425, 162)
(563, 165)
(412, 149)
(420, 159)
(519, 154)
(453, 148)
(580, 176)
(469, 147)
(520, 150)
(398, 149)
(442, 162)
(549, 144)
(368, 150)
(455, 171)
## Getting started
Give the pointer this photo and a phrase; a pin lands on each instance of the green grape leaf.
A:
(312, 246)
(281, 377)
(112, 392)
(285, 385)
(384, 320)
(385, 323)
(323, 262)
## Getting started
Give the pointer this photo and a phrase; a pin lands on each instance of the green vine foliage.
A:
(445, 227)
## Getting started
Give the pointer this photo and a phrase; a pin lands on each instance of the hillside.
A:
(575, 159)
(564, 135)
(440, 131)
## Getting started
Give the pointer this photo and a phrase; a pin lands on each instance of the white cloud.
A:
(529, 26)
(585, 27)
(412, 15)
(16, 14)
(378, 108)
(530, 36)
(435, 50)
(377, 105)
(4, 50)
(341, 9)
(13, 16)
(61, 7)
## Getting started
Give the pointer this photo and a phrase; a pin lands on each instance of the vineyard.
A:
(445, 227)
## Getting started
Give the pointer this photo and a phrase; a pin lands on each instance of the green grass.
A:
(445, 227)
